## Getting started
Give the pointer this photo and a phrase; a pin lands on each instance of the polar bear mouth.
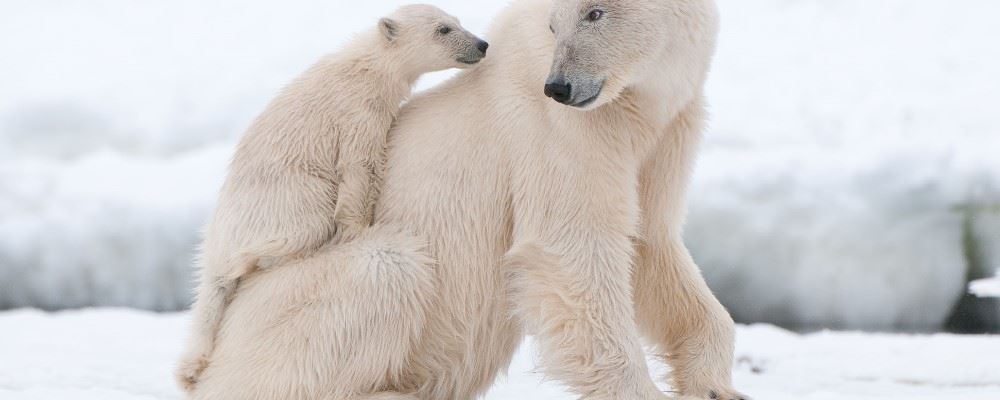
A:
(588, 101)
(469, 61)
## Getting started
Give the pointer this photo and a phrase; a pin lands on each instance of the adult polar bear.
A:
(539, 218)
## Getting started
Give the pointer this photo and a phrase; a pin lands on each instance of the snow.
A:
(125, 354)
(986, 287)
(850, 161)
(105, 229)
(115, 138)
(839, 230)
(161, 77)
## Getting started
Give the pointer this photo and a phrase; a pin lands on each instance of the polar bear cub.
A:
(308, 170)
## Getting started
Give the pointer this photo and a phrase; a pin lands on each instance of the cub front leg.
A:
(359, 188)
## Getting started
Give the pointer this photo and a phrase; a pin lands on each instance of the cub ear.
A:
(388, 28)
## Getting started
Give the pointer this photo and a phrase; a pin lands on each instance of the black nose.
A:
(559, 90)
(482, 46)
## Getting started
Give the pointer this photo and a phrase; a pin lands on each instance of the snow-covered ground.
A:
(986, 287)
(850, 177)
(128, 355)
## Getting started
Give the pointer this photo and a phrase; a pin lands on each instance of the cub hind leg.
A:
(214, 293)
(217, 285)
(340, 324)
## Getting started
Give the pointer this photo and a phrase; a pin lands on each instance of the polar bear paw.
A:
(717, 394)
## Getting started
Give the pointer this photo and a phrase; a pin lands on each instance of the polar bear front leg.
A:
(578, 306)
(691, 329)
(674, 307)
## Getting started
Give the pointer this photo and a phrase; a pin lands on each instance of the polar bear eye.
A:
(444, 30)
(595, 15)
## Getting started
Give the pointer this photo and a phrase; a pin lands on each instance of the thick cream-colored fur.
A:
(540, 219)
(312, 312)
(308, 170)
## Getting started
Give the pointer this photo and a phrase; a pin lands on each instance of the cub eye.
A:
(444, 30)
(595, 15)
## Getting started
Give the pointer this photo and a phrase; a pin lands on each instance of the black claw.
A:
(712, 395)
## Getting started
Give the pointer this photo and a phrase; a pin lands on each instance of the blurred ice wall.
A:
(849, 178)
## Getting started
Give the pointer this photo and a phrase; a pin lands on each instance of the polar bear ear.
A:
(388, 28)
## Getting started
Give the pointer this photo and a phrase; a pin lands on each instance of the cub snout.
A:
(476, 53)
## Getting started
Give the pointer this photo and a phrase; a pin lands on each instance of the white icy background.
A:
(121, 354)
(850, 177)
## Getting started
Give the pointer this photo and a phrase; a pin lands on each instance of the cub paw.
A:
(189, 372)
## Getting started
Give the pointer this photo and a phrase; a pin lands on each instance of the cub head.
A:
(605, 46)
(430, 39)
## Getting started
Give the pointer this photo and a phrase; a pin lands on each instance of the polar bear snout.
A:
(558, 90)
(580, 93)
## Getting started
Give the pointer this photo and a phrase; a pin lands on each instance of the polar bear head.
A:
(428, 39)
(605, 46)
